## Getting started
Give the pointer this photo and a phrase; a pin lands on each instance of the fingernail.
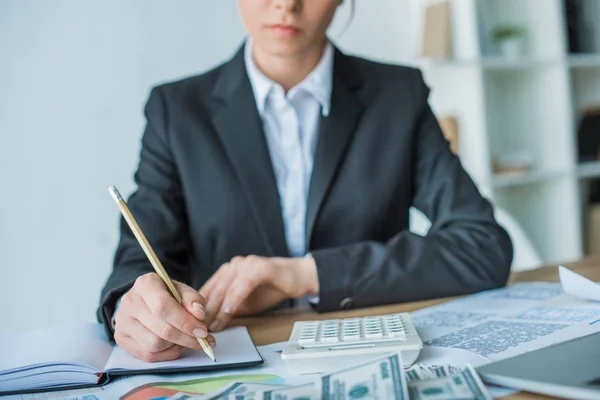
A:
(215, 326)
(199, 310)
(212, 343)
(199, 332)
(197, 306)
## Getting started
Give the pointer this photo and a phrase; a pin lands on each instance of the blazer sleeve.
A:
(159, 209)
(465, 250)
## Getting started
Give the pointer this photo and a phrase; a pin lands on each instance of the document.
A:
(577, 285)
(501, 323)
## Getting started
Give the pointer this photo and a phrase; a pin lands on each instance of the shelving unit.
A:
(584, 61)
(589, 170)
(528, 104)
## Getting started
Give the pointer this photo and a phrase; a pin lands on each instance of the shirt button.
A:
(347, 303)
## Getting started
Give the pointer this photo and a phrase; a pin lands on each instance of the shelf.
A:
(504, 63)
(495, 63)
(526, 178)
(575, 61)
(584, 60)
(589, 170)
(585, 170)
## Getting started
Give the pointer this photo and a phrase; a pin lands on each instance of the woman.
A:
(287, 174)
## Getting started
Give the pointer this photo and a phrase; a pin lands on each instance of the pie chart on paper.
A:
(163, 390)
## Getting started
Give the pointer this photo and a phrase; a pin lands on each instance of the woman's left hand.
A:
(249, 285)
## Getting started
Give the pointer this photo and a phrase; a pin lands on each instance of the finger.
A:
(166, 331)
(237, 259)
(128, 344)
(246, 278)
(191, 300)
(236, 294)
(206, 292)
(215, 299)
(257, 272)
(168, 310)
(239, 291)
(213, 307)
(212, 341)
(145, 338)
(209, 285)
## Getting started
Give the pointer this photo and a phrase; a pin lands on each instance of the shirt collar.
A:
(319, 83)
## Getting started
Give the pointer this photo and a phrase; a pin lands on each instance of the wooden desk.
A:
(277, 327)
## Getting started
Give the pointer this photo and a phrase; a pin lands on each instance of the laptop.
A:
(569, 369)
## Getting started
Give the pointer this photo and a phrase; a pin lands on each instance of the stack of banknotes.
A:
(384, 378)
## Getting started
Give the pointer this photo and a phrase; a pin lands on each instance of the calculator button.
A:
(397, 335)
(329, 339)
(304, 341)
(334, 332)
(309, 328)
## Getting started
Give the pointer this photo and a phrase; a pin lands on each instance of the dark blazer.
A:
(207, 192)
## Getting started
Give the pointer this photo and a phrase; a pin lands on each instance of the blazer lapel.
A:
(240, 129)
(335, 133)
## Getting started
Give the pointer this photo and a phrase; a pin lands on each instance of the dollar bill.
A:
(420, 372)
(413, 374)
(379, 379)
(440, 370)
(302, 392)
(464, 385)
(454, 370)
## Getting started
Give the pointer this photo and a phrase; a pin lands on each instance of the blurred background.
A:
(515, 85)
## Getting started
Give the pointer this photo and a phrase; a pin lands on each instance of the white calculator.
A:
(331, 345)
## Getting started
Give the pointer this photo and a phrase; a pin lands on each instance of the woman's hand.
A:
(249, 285)
(152, 326)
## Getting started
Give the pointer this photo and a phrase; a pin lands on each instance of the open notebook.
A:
(80, 356)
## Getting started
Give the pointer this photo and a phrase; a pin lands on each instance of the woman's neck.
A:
(288, 71)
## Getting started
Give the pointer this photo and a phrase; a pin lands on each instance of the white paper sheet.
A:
(577, 285)
(234, 346)
(501, 323)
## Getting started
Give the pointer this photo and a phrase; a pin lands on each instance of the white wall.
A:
(74, 76)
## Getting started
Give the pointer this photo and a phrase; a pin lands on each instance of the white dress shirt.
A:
(291, 125)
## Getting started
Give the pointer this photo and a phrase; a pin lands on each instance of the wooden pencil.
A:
(158, 267)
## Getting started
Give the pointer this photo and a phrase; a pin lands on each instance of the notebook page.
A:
(234, 346)
(84, 344)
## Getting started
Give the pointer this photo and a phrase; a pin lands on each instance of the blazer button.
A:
(347, 303)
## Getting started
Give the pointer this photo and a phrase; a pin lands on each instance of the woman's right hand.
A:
(152, 326)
